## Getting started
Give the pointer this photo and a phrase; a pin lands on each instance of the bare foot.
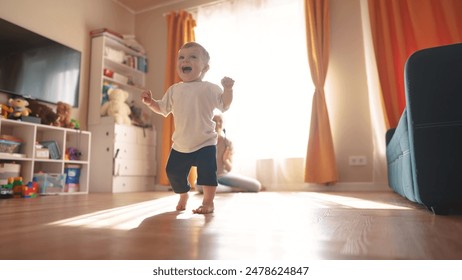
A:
(204, 209)
(182, 202)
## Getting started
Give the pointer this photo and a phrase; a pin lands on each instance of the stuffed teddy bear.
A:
(19, 106)
(43, 112)
(5, 110)
(117, 107)
(63, 110)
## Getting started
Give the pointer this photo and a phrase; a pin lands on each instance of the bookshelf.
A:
(125, 154)
(30, 160)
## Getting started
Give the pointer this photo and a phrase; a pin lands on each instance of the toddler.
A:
(192, 103)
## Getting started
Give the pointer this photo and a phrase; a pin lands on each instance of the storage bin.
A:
(9, 144)
(8, 170)
(42, 153)
(50, 182)
(72, 177)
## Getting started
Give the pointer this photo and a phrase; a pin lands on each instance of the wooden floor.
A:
(258, 226)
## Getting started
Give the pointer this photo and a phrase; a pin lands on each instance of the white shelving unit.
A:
(125, 155)
(101, 46)
(65, 138)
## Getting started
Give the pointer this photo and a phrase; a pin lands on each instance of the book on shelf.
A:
(53, 149)
(142, 64)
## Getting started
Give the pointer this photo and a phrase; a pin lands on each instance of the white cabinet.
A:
(64, 138)
(124, 157)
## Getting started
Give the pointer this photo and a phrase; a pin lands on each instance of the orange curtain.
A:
(320, 164)
(401, 27)
(180, 27)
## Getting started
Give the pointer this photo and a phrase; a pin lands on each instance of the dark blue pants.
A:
(179, 164)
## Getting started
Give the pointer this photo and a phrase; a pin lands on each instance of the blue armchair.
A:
(424, 151)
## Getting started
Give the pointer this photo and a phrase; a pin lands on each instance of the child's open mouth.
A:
(186, 69)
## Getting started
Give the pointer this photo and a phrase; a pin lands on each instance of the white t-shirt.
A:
(192, 105)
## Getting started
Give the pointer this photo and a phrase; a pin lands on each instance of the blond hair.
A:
(205, 53)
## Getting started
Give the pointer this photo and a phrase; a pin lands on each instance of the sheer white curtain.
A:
(375, 102)
(261, 44)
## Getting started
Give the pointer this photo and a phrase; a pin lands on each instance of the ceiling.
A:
(138, 6)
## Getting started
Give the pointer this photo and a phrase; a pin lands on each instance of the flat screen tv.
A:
(35, 67)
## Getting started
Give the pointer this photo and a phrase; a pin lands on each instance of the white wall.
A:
(347, 93)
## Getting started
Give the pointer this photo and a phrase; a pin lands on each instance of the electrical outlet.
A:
(357, 160)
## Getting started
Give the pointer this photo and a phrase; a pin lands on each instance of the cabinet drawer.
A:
(124, 134)
(133, 184)
(128, 167)
(135, 152)
(146, 136)
(135, 135)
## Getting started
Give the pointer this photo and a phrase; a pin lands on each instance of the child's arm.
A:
(146, 98)
(227, 84)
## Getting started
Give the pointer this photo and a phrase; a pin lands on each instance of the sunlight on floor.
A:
(131, 216)
(122, 218)
(356, 202)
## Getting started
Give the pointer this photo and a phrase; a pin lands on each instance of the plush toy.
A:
(138, 117)
(76, 123)
(19, 106)
(63, 110)
(117, 107)
(5, 110)
(43, 112)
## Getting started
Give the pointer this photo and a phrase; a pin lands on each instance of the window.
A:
(262, 46)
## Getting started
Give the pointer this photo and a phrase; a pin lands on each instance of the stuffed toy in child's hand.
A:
(117, 107)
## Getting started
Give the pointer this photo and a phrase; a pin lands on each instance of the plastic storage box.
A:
(8, 170)
(9, 144)
(72, 177)
(50, 183)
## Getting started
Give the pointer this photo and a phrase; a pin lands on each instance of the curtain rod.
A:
(195, 8)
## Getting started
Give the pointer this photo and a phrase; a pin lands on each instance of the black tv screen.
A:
(33, 66)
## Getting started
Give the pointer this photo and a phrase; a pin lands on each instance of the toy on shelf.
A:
(76, 123)
(20, 108)
(72, 154)
(5, 110)
(64, 111)
(117, 107)
(43, 112)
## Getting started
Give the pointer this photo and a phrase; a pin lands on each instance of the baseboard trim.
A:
(162, 188)
(338, 187)
(348, 187)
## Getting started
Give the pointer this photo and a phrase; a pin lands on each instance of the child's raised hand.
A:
(146, 97)
(227, 83)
